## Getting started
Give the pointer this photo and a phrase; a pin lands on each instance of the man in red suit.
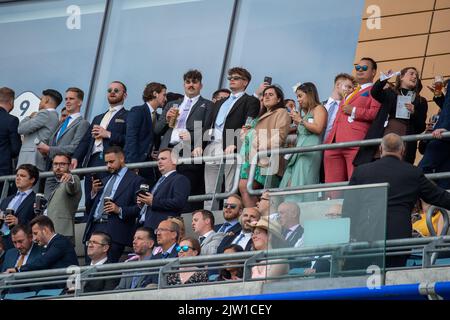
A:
(356, 113)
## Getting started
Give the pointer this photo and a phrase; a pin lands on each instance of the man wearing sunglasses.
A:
(228, 117)
(354, 117)
(232, 210)
(106, 130)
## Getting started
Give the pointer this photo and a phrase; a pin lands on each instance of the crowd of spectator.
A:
(141, 208)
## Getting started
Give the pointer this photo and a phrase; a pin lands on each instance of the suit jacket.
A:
(37, 128)
(122, 229)
(366, 111)
(100, 285)
(200, 112)
(246, 106)
(10, 141)
(232, 233)
(388, 100)
(25, 212)
(140, 137)
(62, 205)
(154, 278)
(406, 185)
(69, 140)
(12, 255)
(211, 243)
(59, 253)
(294, 236)
(168, 200)
(117, 126)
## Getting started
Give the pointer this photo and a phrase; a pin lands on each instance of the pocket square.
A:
(202, 106)
(365, 94)
(119, 121)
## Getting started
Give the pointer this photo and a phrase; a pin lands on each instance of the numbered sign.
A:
(25, 104)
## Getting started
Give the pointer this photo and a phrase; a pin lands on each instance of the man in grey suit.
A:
(203, 226)
(143, 243)
(186, 137)
(63, 196)
(69, 133)
(37, 128)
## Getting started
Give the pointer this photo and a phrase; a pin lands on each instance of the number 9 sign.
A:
(25, 104)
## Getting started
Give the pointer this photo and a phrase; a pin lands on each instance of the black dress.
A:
(388, 100)
(199, 276)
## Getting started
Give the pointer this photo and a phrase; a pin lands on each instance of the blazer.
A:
(37, 128)
(154, 278)
(366, 111)
(59, 253)
(246, 106)
(232, 233)
(168, 200)
(25, 212)
(117, 126)
(294, 236)
(12, 255)
(122, 229)
(70, 138)
(100, 285)
(139, 137)
(271, 132)
(200, 112)
(406, 185)
(62, 205)
(10, 141)
(211, 243)
(388, 100)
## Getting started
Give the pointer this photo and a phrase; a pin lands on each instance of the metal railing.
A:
(274, 153)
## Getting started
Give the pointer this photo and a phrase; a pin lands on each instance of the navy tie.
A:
(202, 238)
(165, 255)
(225, 227)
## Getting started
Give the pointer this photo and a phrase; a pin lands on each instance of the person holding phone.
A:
(268, 131)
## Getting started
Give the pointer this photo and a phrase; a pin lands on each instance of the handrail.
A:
(322, 147)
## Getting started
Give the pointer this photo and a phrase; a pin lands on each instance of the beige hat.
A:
(272, 227)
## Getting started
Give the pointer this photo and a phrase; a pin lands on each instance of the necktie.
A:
(236, 241)
(224, 227)
(224, 109)
(160, 180)
(106, 193)
(63, 127)
(134, 282)
(181, 124)
(21, 260)
(104, 124)
(202, 238)
(165, 255)
(153, 119)
(332, 108)
(285, 233)
(142, 213)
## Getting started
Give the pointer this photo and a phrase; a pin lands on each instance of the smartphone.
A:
(268, 80)
(95, 176)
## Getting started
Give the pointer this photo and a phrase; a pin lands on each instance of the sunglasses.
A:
(183, 248)
(235, 78)
(115, 90)
(230, 205)
(359, 68)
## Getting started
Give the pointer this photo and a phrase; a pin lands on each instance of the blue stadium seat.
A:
(19, 296)
(49, 293)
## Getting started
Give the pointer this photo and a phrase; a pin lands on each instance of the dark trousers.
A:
(196, 175)
(437, 159)
(115, 251)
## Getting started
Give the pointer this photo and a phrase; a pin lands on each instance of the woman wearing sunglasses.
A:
(188, 247)
(268, 131)
(391, 119)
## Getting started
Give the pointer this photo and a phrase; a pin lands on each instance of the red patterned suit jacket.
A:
(366, 110)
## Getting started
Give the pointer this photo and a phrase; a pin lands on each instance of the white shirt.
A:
(150, 108)
(50, 240)
(169, 173)
(332, 115)
(208, 233)
(26, 256)
(100, 262)
(218, 130)
(99, 147)
(291, 229)
(175, 137)
(363, 86)
(73, 117)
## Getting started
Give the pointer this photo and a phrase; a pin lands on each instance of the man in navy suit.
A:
(58, 251)
(106, 130)
(292, 231)
(168, 196)
(116, 217)
(10, 142)
(186, 137)
(232, 210)
(437, 153)
(21, 203)
(140, 139)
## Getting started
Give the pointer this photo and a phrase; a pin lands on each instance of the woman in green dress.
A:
(268, 131)
(303, 168)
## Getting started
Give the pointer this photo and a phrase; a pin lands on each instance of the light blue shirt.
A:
(223, 113)
(119, 178)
